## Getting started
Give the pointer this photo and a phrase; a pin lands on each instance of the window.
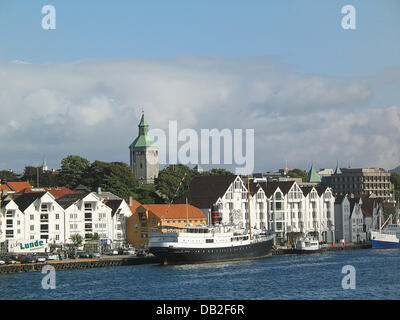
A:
(44, 208)
(88, 207)
(32, 228)
(57, 216)
(32, 217)
(57, 227)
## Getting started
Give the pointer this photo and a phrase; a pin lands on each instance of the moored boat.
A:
(307, 245)
(197, 244)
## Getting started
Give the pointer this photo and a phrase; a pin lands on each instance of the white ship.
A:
(386, 237)
(307, 245)
(195, 244)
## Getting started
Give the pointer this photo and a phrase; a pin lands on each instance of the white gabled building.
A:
(120, 212)
(39, 216)
(354, 217)
(285, 207)
(33, 216)
(342, 218)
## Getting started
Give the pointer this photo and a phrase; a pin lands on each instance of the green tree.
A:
(46, 179)
(93, 236)
(217, 172)
(169, 180)
(76, 240)
(7, 175)
(298, 173)
(395, 179)
(148, 195)
(115, 177)
(72, 171)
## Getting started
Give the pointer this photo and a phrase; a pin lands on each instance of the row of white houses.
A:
(284, 207)
(40, 216)
(355, 217)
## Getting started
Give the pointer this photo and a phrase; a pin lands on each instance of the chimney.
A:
(99, 190)
(130, 201)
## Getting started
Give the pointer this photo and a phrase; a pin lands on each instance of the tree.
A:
(298, 173)
(72, 171)
(169, 180)
(8, 175)
(93, 236)
(115, 177)
(76, 240)
(147, 195)
(217, 172)
(46, 179)
(395, 179)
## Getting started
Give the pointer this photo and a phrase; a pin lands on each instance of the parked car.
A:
(94, 254)
(128, 251)
(41, 259)
(2, 262)
(140, 253)
(83, 254)
(52, 256)
(72, 255)
(9, 260)
(28, 259)
(111, 252)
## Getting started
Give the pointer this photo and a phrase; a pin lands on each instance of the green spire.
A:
(337, 170)
(142, 140)
(313, 175)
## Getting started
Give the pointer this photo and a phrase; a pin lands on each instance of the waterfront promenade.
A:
(133, 260)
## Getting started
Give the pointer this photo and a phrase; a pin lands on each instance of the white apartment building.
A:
(39, 216)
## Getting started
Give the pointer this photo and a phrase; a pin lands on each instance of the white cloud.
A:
(92, 108)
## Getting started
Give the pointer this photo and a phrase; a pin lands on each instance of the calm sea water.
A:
(279, 277)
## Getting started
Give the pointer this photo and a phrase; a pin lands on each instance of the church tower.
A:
(144, 156)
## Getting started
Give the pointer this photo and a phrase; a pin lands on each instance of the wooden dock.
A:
(78, 264)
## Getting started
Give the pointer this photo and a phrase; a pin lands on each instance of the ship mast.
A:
(248, 203)
(187, 213)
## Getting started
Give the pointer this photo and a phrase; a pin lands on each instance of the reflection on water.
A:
(278, 277)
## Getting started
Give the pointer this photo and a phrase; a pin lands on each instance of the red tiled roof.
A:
(18, 186)
(134, 206)
(5, 187)
(56, 192)
(175, 211)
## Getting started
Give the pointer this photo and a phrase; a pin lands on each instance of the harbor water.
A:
(319, 276)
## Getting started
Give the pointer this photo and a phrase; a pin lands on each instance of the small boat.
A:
(307, 245)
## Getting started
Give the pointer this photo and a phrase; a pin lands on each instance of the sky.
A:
(314, 92)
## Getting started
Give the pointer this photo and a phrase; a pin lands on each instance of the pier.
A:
(77, 264)
(350, 246)
(133, 260)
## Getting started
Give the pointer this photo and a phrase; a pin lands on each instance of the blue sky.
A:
(244, 48)
(306, 33)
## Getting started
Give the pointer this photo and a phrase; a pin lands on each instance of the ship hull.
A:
(377, 244)
(176, 255)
